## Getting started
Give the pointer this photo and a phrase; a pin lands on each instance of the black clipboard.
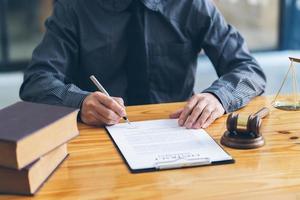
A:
(153, 169)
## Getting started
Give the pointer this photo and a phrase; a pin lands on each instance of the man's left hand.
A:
(200, 111)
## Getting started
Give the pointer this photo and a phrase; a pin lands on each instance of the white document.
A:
(164, 144)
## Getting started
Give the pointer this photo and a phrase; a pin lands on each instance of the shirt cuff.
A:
(75, 99)
(224, 96)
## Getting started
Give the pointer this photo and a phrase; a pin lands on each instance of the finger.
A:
(176, 114)
(187, 110)
(208, 110)
(185, 125)
(87, 118)
(111, 104)
(106, 113)
(107, 120)
(119, 101)
(91, 118)
(210, 120)
(195, 114)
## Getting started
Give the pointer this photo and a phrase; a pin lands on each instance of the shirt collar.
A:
(153, 4)
(120, 5)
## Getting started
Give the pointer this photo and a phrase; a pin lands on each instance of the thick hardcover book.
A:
(28, 180)
(29, 131)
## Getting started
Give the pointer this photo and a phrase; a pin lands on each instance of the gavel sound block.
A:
(243, 132)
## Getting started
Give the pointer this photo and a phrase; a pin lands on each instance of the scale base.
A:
(242, 141)
(287, 105)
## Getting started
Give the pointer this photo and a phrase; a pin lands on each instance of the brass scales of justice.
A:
(243, 132)
(289, 101)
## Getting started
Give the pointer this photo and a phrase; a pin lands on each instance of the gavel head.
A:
(244, 124)
(243, 131)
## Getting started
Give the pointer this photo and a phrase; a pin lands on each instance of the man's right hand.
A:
(98, 109)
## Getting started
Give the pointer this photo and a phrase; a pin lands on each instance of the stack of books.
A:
(33, 144)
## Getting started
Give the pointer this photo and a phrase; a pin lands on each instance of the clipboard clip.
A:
(171, 161)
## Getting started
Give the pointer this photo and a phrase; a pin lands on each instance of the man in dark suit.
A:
(142, 51)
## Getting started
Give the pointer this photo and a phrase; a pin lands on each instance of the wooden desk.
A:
(95, 170)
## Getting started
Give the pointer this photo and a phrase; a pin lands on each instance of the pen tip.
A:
(127, 120)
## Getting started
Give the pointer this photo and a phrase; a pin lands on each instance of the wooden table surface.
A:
(95, 170)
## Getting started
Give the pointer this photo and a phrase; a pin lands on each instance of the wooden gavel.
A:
(243, 131)
(245, 124)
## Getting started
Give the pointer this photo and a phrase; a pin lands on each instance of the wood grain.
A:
(95, 170)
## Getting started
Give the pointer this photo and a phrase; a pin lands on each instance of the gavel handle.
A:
(262, 112)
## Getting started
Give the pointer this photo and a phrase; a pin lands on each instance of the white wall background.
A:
(9, 88)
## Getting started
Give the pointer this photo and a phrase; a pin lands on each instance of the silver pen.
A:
(101, 89)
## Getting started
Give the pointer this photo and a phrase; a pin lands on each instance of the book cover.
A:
(30, 130)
